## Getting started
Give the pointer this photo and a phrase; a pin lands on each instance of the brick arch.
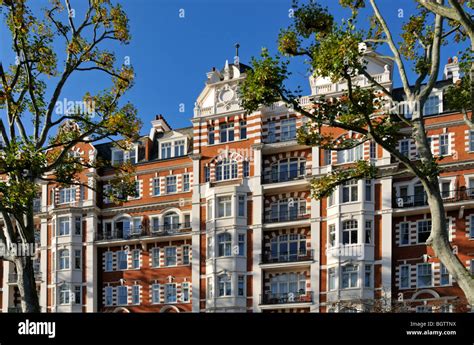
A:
(170, 309)
(425, 293)
(121, 310)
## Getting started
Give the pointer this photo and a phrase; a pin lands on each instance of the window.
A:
(368, 232)
(471, 140)
(171, 184)
(471, 227)
(241, 244)
(186, 184)
(67, 195)
(170, 293)
(64, 226)
(135, 259)
(121, 156)
(368, 276)
(350, 276)
(445, 278)
(368, 190)
(155, 257)
(226, 132)
(136, 294)
(108, 295)
(155, 293)
(226, 169)
(122, 295)
(331, 279)
(350, 155)
(373, 150)
(225, 285)
(64, 259)
(423, 230)
(287, 209)
(404, 277)
(77, 259)
(165, 150)
(424, 309)
(287, 248)
(241, 285)
(424, 276)
(327, 157)
(210, 136)
(349, 191)
(136, 194)
(288, 129)
(405, 147)
(78, 225)
(117, 157)
(331, 199)
(64, 294)
(431, 105)
(185, 292)
(404, 234)
(156, 186)
(271, 137)
(332, 235)
(284, 284)
(243, 130)
(224, 206)
(446, 308)
(170, 256)
(207, 174)
(109, 256)
(444, 144)
(349, 232)
(122, 260)
(241, 212)
(179, 148)
(171, 221)
(210, 209)
(246, 168)
(445, 189)
(186, 255)
(288, 169)
(224, 244)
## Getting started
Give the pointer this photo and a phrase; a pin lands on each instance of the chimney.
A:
(159, 124)
(451, 69)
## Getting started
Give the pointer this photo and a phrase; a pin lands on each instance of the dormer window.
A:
(432, 105)
(172, 149)
(120, 156)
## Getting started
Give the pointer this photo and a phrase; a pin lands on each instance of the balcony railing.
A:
(269, 258)
(162, 230)
(290, 175)
(271, 139)
(287, 298)
(422, 200)
(14, 310)
(278, 217)
(352, 251)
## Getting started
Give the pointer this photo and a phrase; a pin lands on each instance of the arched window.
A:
(288, 169)
(286, 248)
(226, 170)
(349, 232)
(171, 221)
(224, 242)
(64, 259)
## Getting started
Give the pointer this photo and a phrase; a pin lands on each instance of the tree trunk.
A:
(439, 241)
(27, 284)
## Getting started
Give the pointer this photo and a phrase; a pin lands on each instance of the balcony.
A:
(269, 258)
(144, 232)
(347, 251)
(277, 217)
(286, 298)
(286, 176)
(13, 277)
(449, 197)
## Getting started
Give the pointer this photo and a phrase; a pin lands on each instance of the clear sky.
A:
(171, 54)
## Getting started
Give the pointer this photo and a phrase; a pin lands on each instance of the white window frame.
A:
(155, 255)
(108, 259)
(350, 274)
(174, 288)
(418, 266)
(186, 182)
(60, 222)
(155, 293)
(108, 292)
(401, 225)
(167, 184)
(67, 195)
(447, 144)
(185, 288)
(135, 253)
(166, 256)
(408, 277)
(64, 260)
(156, 188)
(288, 129)
(428, 221)
(122, 288)
(226, 205)
(350, 186)
(136, 294)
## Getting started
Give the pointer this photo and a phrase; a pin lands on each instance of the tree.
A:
(335, 51)
(37, 138)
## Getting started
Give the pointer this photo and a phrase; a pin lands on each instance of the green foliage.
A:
(264, 84)
(458, 96)
(312, 19)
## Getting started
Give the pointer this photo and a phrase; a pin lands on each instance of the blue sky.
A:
(171, 55)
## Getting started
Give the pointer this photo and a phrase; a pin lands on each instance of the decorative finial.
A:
(237, 46)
